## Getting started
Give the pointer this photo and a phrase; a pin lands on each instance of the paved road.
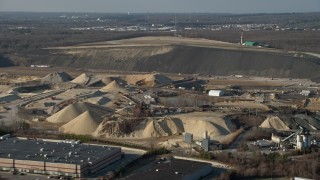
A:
(214, 163)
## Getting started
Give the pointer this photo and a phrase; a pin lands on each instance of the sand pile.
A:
(163, 127)
(312, 104)
(2, 109)
(74, 110)
(113, 86)
(84, 124)
(274, 122)
(195, 123)
(56, 77)
(147, 79)
(118, 126)
(82, 79)
(198, 127)
(111, 128)
(199, 122)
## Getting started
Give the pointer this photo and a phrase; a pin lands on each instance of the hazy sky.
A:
(182, 6)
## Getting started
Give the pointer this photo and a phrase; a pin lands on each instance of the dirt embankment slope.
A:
(168, 57)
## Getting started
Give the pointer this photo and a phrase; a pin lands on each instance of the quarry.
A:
(163, 107)
(138, 97)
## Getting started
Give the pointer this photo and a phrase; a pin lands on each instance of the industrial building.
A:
(303, 140)
(174, 169)
(263, 143)
(55, 158)
(250, 43)
(216, 93)
(305, 92)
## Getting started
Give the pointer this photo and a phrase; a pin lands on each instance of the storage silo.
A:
(305, 140)
(299, 142)
(188, 138)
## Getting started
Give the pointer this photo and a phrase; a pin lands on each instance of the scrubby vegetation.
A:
(270, 165)
(83, 138)
(205, 155)
(157, 151)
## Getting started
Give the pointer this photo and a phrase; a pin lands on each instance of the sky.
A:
(162, 6)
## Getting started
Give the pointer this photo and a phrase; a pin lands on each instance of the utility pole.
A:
(175, 25)
(241, 41)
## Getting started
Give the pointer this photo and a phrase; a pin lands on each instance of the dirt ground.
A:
(165, 41)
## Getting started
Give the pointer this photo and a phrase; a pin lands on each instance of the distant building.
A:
(305, 92)
(250, 43)
(40, 66)
(216, 93)
(262, 143)
(303, 140)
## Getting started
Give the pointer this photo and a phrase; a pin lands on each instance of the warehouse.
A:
(55, 158)
(174, 169)
(216, 93)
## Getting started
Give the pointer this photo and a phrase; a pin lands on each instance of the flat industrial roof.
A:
(167, 170)
(57, 152)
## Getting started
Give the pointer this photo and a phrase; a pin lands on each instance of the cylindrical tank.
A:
(305, 140)
(299, 145)
(299, 139)
(205, 135)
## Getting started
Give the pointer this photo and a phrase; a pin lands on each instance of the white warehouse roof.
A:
(216, 93)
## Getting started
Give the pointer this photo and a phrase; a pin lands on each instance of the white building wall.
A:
(216, 93)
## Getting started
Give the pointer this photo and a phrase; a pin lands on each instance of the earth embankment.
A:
(168, 56)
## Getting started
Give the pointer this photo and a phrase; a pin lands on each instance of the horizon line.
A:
(90, 12)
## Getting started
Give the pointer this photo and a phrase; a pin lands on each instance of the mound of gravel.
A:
(56, 77)
(163, 127)
(74, 110)
(113, 86)
(274, 122)
(82, 79)
(84, 124)
(148, 79)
